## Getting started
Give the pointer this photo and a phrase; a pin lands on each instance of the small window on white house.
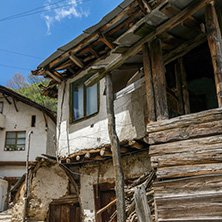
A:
(33, 121)
(15, 141)
(1, 107)
(84, 101)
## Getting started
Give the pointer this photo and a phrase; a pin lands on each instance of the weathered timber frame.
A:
(214, 41)
(115, 146)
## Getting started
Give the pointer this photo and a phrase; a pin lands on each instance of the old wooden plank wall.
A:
(187, 155)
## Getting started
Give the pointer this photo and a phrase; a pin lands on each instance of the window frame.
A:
(16, 139)
(71, 101)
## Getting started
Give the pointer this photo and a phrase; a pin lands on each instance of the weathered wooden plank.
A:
(192, 157)
(186, 132)
(214, 42)
(186, 146)
(53, 76)
(186, 120)
(149, 83)
(142, 207)
(159, 80)
(184, 86)
(191, 220)
(179, 91)
(188, 170)
(190, 206)
(115, 146)
(187, 186)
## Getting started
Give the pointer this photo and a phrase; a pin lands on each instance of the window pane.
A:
(21, 134)
(10, 141)
(21, 141)
(78, 102)
(91, 100)
(11, 135)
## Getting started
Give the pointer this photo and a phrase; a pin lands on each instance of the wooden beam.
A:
(6, 98)
(16, 108)
(172, 22)
(107, 42)
(93, 51)
(76, 60)
(179, 92)
(214, 42)
(115, 146)
(106, 207)
(159, 80)
(135, 145)
(142, 7)
(184, 48)
(53, 76)
(13, 163)
(149, 83)
(171, 10)
(184, 86)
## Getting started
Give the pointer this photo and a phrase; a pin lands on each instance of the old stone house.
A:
(163, 58)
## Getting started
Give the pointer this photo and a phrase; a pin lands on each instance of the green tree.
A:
(31, 89)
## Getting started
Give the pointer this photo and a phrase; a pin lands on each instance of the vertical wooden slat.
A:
(149, 83)
(159, 79)
(65, 212)
(119, 178)
(184, 86)
(179, 92)
(214, 42)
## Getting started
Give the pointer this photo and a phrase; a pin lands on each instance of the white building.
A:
(18, 117)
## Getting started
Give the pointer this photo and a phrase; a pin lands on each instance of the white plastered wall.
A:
(93, 132)
(21, 121)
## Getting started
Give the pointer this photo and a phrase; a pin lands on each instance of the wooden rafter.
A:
(16, 108)
(53, 76)
(184, 48)
(172, 22)
(107, 42)
(76, 60)
(93, 51)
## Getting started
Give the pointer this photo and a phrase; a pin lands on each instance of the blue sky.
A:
(53, 24)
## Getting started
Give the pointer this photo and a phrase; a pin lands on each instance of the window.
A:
(33, 121)
(84, 101)
(15, 141)
(1, 107)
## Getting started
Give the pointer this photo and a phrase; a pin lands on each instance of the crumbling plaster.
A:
(49, 183)
(93, 132)
(99, 172)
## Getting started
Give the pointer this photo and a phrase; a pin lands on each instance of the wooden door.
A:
(64, 213)
(104, 194)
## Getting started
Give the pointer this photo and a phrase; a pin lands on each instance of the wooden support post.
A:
(115, 146)
(179, 92)
(219, 15)
(184, 86)
(149, 84)
(214, 41)
(159, 79)
(27, 184)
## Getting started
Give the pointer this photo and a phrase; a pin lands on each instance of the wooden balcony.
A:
(186, 153)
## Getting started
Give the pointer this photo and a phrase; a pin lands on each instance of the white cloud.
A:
(61, 10)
